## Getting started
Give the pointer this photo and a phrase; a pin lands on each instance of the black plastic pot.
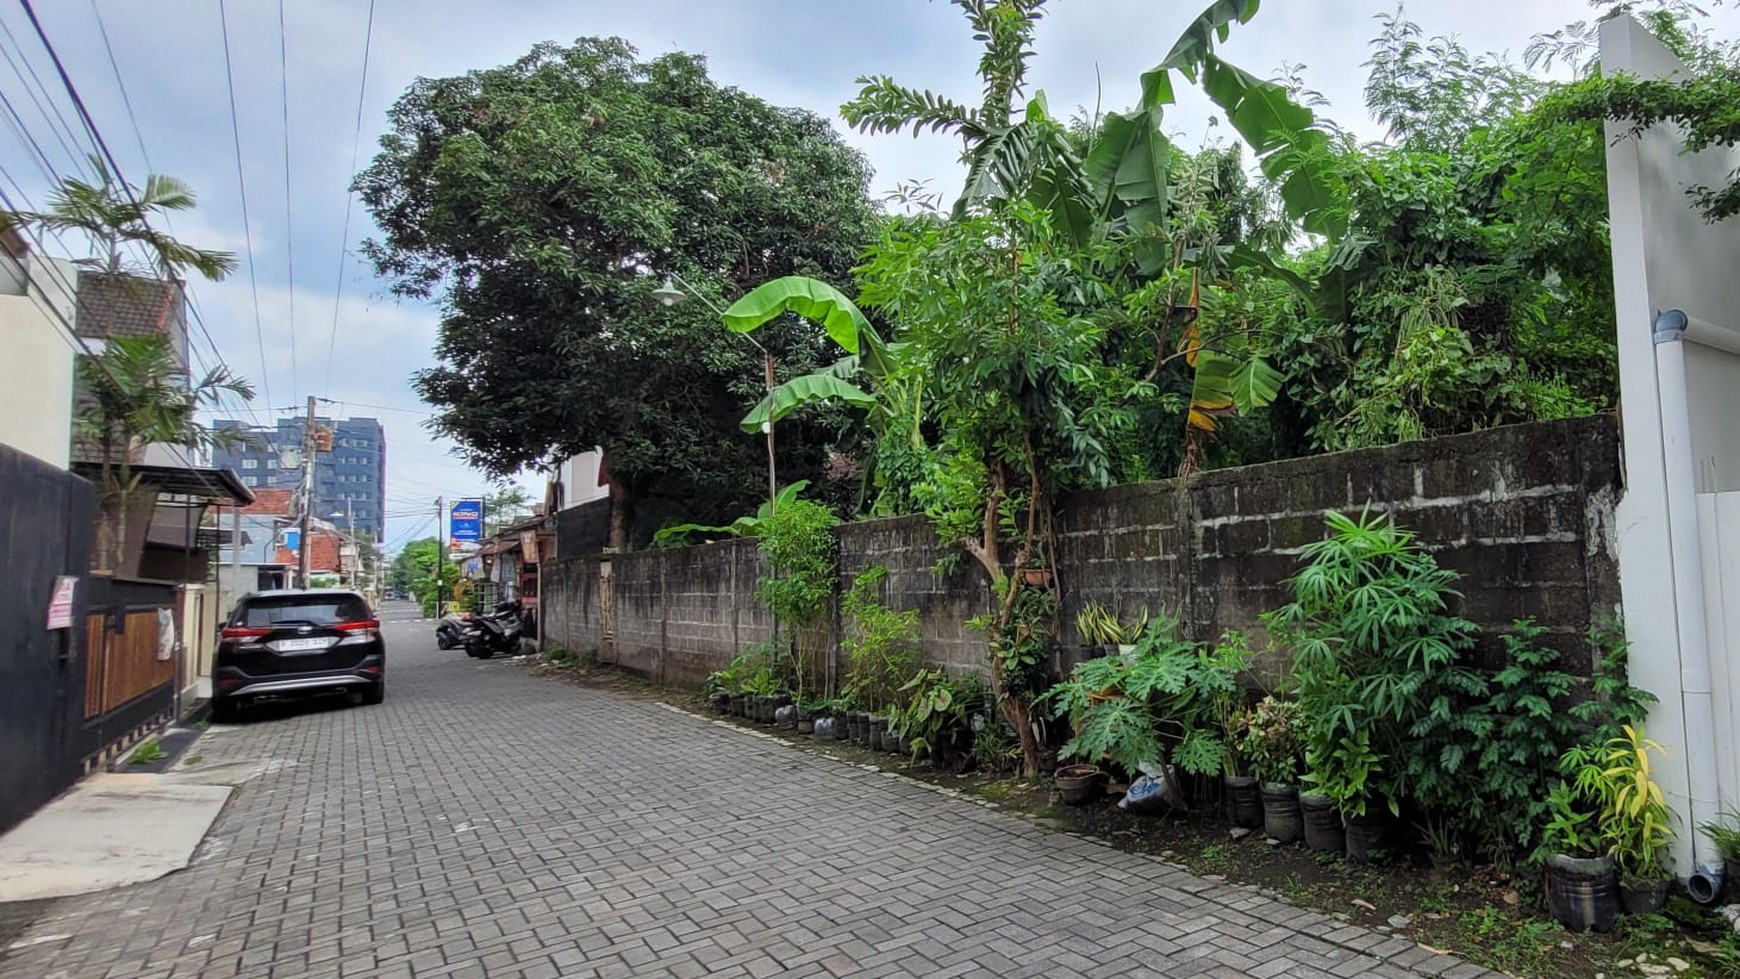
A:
(876, 728)
(737, 703)
(1323, 831)
(1643, 896)
(719, 701)
(806, 725)
(1366, 838)
(1243, 802)
(1282, 821)
(1079, 784)
(1582, 893)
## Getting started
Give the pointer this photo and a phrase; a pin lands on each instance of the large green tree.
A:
(542, 202)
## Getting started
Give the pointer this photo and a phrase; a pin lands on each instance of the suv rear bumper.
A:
(230, 682)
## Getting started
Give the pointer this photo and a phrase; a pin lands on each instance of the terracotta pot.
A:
(1079, 784)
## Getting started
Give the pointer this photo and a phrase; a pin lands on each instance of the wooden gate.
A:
(125, 659)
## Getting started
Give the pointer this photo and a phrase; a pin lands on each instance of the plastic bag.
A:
(1150, 795)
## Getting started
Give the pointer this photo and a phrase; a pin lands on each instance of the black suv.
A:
(279, 643)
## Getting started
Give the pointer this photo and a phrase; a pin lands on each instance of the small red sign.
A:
(60, 611)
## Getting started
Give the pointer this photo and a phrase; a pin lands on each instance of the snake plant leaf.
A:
(799, 391)
(810, 298)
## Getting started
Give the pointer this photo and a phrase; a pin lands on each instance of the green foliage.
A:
(1609, 804)
(1520, 739)
(1169, 699)
(1100, 626)
(882, 644)
(679, 535)
(800, 546)
(112, 215)
(1699, 106)
(146, 753)
(540, 203)
(751, 671)
(1378, 667)
(933, 711)
(413, 570)
(1725, 834)
(1270, 744)
(139, 393)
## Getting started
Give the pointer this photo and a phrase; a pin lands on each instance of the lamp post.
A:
(349, 518)
(669, 295)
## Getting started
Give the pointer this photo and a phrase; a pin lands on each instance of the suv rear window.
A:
(262, 613)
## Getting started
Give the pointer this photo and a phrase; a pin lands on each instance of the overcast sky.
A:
(793, 52)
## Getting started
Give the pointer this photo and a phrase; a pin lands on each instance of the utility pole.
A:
(440, 550)
(308, 450)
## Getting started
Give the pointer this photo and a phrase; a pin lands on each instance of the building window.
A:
(250, 463)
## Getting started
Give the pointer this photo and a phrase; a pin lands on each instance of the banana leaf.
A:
(823, 385)
(810, 298)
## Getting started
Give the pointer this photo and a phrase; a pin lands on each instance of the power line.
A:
(115, 168)
(289, 222)
(65, 128)
(247, 226)
(350, 194)
(126, 100)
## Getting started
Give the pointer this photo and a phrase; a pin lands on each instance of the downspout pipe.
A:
(1704, 883)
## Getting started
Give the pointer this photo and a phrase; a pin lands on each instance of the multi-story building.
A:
(349, 482)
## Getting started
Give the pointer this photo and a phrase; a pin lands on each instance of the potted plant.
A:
(1725, 834)
(1581, 890)
(1636, 823)
(1270, 746)
(1101, 630)
(1078, 784)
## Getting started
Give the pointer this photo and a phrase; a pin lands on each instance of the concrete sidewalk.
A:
(108, 831)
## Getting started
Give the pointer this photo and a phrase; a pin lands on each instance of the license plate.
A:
(296, 645)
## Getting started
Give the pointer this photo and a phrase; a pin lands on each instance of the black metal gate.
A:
(46, 528)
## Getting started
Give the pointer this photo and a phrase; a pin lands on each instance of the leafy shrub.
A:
(1378, 664)
(1270, 744)
(801, 549)
(935, 711)
(882, 645)
(1169, 699)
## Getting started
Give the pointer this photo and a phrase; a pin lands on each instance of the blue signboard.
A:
(467, 522)
(293, 538)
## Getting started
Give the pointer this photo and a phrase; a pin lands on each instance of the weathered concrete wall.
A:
(1524, 513)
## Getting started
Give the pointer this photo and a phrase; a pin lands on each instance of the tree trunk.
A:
(621, 504)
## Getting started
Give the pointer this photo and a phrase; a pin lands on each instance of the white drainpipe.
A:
(1704, 883)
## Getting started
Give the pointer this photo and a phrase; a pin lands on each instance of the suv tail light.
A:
(237, 632)
(358, 632)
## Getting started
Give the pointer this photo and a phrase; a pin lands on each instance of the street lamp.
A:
(669, 295)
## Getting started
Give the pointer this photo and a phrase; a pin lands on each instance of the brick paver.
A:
(487, 823)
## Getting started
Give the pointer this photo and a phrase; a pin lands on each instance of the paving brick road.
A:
(487, 823)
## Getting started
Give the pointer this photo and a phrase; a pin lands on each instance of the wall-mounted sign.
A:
(60, 609)
(467, 521)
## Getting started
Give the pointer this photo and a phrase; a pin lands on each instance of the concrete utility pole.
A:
(440, 549)
(308, 449)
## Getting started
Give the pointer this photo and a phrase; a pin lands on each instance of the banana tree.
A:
(844, 323)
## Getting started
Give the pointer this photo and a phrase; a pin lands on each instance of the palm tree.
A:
(139, 391)
(142, 395)
(113, 214)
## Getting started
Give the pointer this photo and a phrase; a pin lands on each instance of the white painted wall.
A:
(36, 371)
(579, 475)
(1665, 256)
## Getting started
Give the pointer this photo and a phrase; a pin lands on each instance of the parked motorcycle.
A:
(498, 632)
(450, 631)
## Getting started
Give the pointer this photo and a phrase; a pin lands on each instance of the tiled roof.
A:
(323, 550)
(267, 503)
(129, 305)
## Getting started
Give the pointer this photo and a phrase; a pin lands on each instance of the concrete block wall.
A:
(1524, 513)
